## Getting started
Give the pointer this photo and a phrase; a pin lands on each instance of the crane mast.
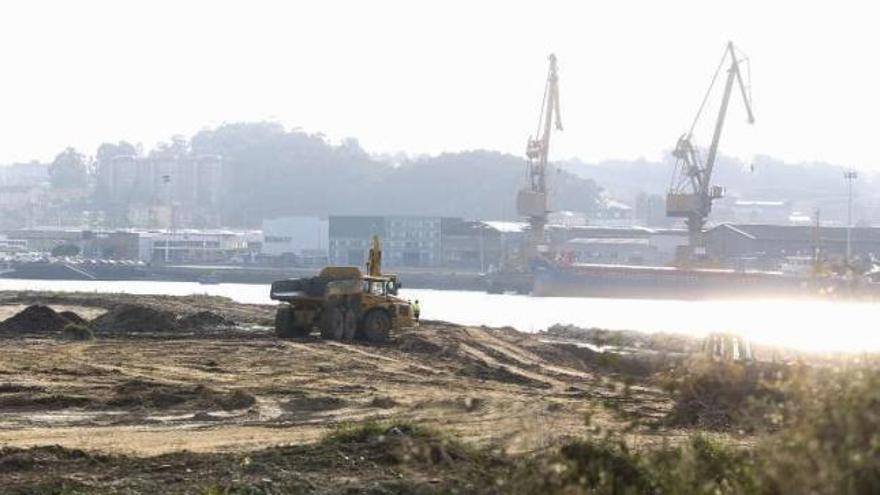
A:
(691, 194)
(532, 200)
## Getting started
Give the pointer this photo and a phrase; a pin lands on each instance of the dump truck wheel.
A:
(377, 326)
(349, 325)
(332, 324)
(284, 322)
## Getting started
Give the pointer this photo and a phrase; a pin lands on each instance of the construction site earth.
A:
(168, 390)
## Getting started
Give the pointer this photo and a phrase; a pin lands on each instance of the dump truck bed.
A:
(313, 288)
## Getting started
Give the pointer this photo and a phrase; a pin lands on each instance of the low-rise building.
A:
(407, 241)
(470, 245)
(300, 238)
(159, 246)
(626, 245)
(197, 246)
(350, 237)
(736, 241)
(43, 239)
(116, 245)
(12, 245)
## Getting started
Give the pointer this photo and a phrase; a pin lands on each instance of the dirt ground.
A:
(234, 390)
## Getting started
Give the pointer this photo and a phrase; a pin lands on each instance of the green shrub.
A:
(699, 466)
(703, 465)
(826, 438)
(356, 432)
(724, 395)
(830, 440)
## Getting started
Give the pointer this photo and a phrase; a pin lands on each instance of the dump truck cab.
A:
(381, 307)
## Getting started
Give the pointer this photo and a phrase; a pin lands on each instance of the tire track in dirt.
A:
(522, 357)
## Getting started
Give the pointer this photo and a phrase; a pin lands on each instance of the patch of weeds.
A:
(723, 395)
(371, 430)
(77, 332)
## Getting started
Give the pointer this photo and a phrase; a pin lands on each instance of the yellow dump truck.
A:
(342, 303)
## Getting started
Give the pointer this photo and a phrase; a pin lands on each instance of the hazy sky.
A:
(426, 77)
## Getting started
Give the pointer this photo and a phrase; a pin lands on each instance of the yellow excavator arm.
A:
(374, 263)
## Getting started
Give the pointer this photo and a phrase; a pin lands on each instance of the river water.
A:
(806, 325)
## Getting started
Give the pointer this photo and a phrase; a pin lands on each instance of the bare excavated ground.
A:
(233, 390)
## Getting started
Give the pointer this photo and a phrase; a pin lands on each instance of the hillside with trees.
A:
(270, 171)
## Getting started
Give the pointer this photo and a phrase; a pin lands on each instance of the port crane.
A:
(531, 201)
(691, 194)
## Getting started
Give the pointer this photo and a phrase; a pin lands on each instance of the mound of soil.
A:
(34, 319)
(132, 318)
(73, 317)
(153, 395)
(205, 319)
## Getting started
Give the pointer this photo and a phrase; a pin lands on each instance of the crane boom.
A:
(532, 200)
(691, 193)
(732, 73)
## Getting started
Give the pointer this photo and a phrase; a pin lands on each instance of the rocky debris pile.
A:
(37, 319)
(132, 318)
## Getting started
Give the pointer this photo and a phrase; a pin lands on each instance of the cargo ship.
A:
(662, 282)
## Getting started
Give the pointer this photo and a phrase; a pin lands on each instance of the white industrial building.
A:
(297, 236)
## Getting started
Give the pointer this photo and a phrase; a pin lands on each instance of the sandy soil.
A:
(150, 394)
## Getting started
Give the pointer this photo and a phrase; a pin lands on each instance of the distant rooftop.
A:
(507, 227)
(753, 203)
(609, 241)
(800, 233)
